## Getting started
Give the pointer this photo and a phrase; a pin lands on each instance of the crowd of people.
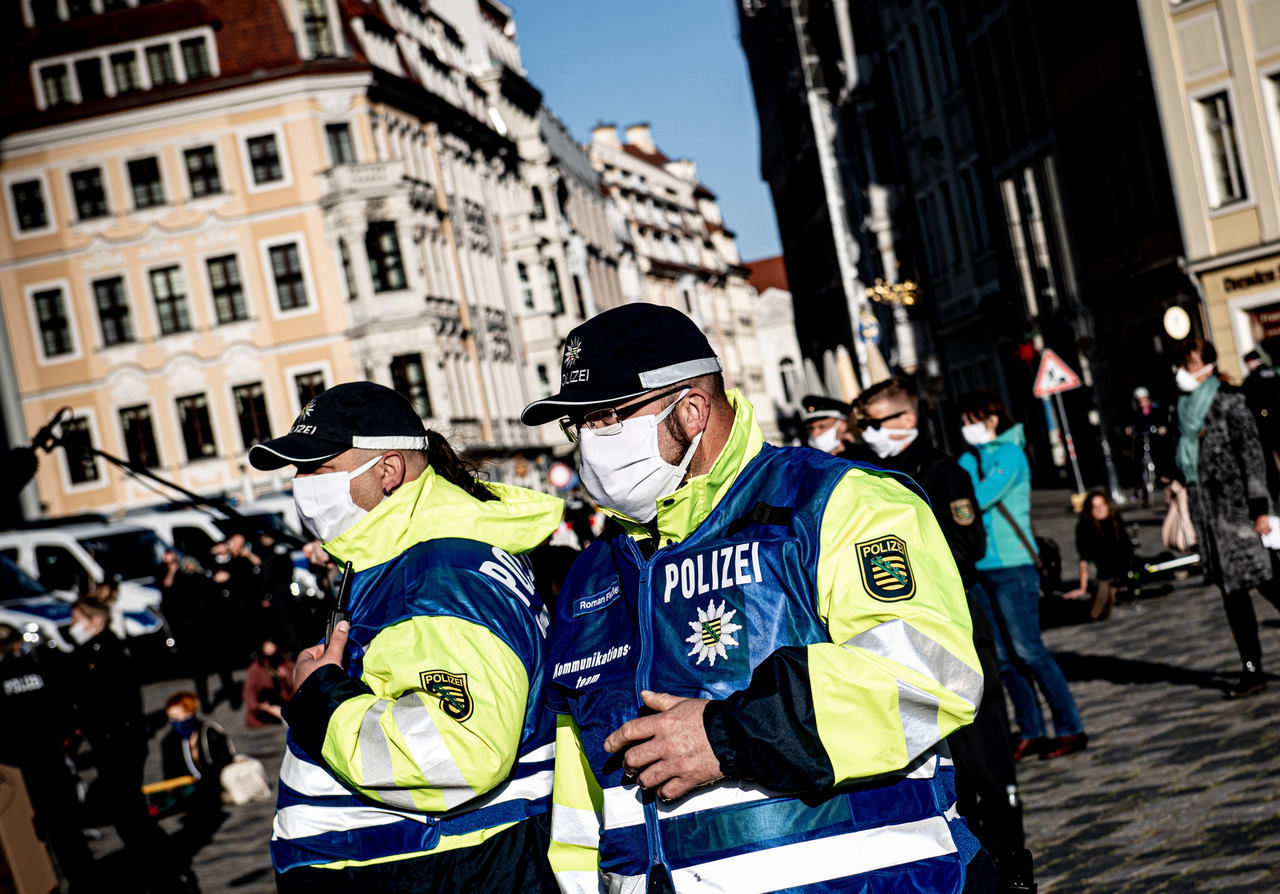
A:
(765, 648)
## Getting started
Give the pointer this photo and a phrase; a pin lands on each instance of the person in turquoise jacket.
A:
(1009, 588)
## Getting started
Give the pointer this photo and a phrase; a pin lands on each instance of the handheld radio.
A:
(339, 611)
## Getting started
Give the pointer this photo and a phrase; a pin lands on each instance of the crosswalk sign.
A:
(1054, 376)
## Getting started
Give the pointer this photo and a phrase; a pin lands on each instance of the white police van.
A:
(78, 556)
(41, 616)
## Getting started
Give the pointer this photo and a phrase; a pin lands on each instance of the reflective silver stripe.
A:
(678, 372)
(528, 788)
(624, 884)
(819, 860)
(303, 820)
(576, 881)
(390, 442)
(924, 767)
(429, 752)
(573, 825)
(622, 805)
(899, 641)
(375, 750)
(545, 753)
(307, 778)
(919, 713)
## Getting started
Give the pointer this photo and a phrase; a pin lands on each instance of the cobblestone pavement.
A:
(1178, 791)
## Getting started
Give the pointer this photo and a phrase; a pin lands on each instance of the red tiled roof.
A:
(657, 159)
(768, 273)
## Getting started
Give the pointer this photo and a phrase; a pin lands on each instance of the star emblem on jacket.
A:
(572, 351)
(713, 631)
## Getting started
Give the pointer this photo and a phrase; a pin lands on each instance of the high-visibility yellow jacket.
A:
(435, 736)
(817, 604)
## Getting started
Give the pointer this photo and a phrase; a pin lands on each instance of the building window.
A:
(315, 25)
(89, 77)
(82, 465)
(526, 287)
(942, 41)
(539, 207)
(78, 9)
(170, 294)
(202, 171)
(251, 410)
(56, 83)
(789, 380)
(90, 197)
(160, 65)
(195, 58)
(385, 265)
(308, 385)
(197, 430)
(124, 71)
(948, 212)
(113, 311)
(553, 281)
(1226, 181)
(408, 378)
(544, 380)
(264, 158)
(228, 293)
(28, 205)
(148, 189)
(55, 328)
(978, 236)
(341, 151)
(578, 296)
(348, 273)
(139, 436)
(286, 268)
(922, 63)
(45, 12)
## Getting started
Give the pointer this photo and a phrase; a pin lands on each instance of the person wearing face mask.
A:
(1008, 588)
(755, 666)
(201, 749)
(268, 686)
(887, 417)
(825, 418)
(1219, 459)
(419, 749)
(109, 714)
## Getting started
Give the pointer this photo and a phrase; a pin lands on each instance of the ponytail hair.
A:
(449, 466)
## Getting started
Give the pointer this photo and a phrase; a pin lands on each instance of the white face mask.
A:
(1189, 382)
(625, 471)
(886, 442)
(826, 441)
(976, 433)
(324, 502)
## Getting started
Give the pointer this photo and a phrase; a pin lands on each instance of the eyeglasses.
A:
(608, 420)
(865, 423)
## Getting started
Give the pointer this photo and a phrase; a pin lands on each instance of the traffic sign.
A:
(1054, 376)
(560, 475)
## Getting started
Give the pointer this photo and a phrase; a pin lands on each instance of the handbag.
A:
(1177, 532)
(1050, 571)
(245, 778)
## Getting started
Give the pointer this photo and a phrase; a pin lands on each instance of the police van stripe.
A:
(428, 749)
(811, 862)
(898, 641)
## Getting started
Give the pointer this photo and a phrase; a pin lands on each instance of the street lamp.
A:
(899, 294)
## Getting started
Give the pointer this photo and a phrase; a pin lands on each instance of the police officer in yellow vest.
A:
(419, 750)
(755, 670)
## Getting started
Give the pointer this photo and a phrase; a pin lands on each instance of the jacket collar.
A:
(431, 508)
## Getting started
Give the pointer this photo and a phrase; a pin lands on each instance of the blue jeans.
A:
(1015, 617)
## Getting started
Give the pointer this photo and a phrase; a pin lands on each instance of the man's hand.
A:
(1262, 525)
(309, 660)
(667, 751)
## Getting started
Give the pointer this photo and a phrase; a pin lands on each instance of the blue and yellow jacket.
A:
(816, 603)
(435, 737)
(1001, 474)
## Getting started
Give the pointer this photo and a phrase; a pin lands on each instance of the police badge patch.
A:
(886, 572)
(451, 689)
(962, 511)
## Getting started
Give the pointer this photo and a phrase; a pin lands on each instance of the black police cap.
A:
(354, 414)
(818, 407)
(623, 353)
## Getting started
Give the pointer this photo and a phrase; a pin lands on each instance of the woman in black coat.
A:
(1219, 458)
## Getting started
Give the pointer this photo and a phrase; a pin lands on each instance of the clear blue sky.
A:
(674, 63)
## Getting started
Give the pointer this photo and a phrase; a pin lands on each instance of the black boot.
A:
(1252, 681)
(1016, 873)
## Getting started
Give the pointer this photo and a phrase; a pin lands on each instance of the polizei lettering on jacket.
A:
(717, 569)
(594, 660)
